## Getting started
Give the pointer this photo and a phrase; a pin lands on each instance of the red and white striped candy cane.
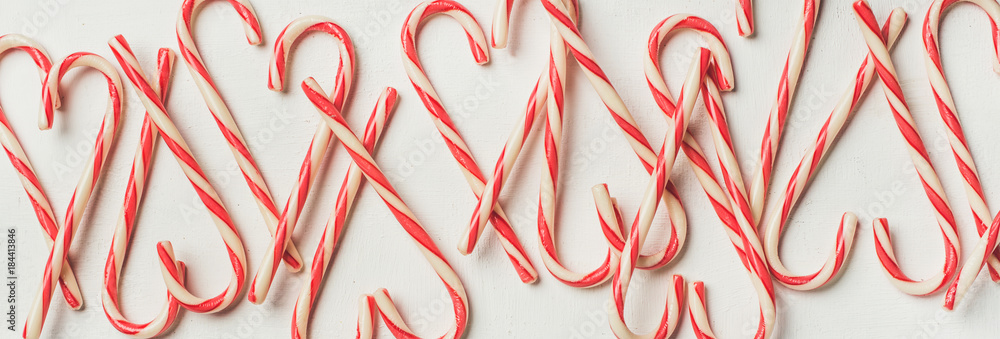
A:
(407, 220)
(807, 167)
(501, 24)
(338, 219)
(223, 117)
(698, 311)
(453, 139)
(126, 222)
(29, 180)
(779, 111)
(744, 17)
(85, 187)
(647, 209)
(209, 197)
(550, 175)
(740, 228)
(921, 162)
(317, 148)
(723, 74)
(985, 251)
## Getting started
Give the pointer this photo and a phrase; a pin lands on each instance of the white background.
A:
(868, 172)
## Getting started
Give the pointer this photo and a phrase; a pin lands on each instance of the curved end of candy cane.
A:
(890, 266)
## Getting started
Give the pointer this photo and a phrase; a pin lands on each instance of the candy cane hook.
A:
(206, 192)
(26, 173)
(335, 227)
(647, 209)
(407, 220)
(779, 110)
(317, 148)
(126, 222)
(224, 118)
(85, 187)
(442, 121)
(985, 251)
(921, 162)
(808, 166)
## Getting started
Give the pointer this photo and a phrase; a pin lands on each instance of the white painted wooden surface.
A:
(868, 172)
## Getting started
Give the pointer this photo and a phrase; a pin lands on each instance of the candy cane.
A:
(741, 230)
(722, 71)
(501, 24)
(985, 250)
(807, 168)
(126, 222)
(647, 209)
(335, 224)
(779, 111)
(744, 17)
(317, 148)
(698, 311)
(456, 144)
(224, 119)
(206, 192)
(407, 220)
(25, 172)
(547, 191)
(85, 187)
(921, 162)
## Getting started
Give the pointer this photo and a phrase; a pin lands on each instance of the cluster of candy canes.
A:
(317, 148)
(985, 252)
(93, 169)
(173, 278)
(26, 173)
(206, 192)
(126, 219)
(381, 300)
(227, 125)
(453, 139)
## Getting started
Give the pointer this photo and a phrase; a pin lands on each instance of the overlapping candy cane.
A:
(921, 162)
(512, 148)
(779, 111)
(807, 168)
(456, 144)
(317, 148)
(501, 24)
(29, 180)
(85, 187)
(744, 17)
(224, 119)
(126, 222)
(335, 226)
(209, 197)
(647, 209)
(722, 73)
(985, 251)
(407, 220)
(753, 261)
